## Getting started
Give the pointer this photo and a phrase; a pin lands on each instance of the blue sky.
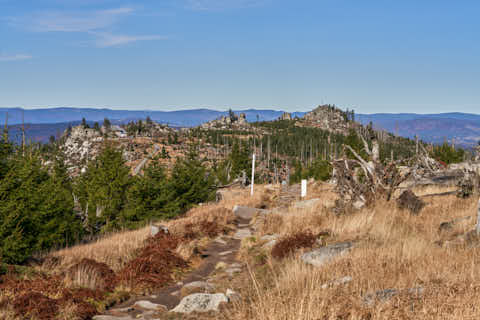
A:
(374, 56)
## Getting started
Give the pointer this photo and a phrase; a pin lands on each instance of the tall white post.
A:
(253, 175)
(304, 188)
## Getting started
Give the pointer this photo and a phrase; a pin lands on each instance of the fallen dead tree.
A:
(360, 182)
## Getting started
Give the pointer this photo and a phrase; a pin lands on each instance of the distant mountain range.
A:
(435, 128)
(464, 128)
(181, 118)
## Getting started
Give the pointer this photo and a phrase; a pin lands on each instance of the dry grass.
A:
(118, 249)
(114, 250)
(393, 249)
(78, 280)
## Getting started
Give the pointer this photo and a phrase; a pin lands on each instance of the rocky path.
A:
(288, 194)
(196, 292)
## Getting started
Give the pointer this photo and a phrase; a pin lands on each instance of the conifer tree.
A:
(102, 190)
(36, 212)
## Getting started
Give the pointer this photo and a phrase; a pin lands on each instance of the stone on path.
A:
(321, 256)
(242, 233)
(245, 213)
(225, 253)
(200, 302)
(196, 287)
(144, 304)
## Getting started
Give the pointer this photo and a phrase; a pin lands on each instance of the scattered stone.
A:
(408, 200)
(232, 296)
(236, 265)
(337, 282)
(306, 204)
(225, 253)
(221, 265)
(387, 294)
(321, 256)
(196, 287)
(200, 302)
(242, 234)
(144, 304)
(243, 225)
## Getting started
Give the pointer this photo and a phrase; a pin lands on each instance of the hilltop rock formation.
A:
(328, 118)
(230, 121)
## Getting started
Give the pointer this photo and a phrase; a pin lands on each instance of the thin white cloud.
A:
(114, 40)
(16, 57)
(214, 5)
(59, 21)
(96, 23)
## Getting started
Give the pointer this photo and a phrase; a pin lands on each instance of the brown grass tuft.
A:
(286, 246)
(154, 266)
(91, 274)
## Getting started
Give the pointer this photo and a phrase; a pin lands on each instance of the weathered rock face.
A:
(321, 256)
(200, 302)
(327, 118)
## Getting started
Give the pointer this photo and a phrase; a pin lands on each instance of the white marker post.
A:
(304, 188)
(253, 175)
